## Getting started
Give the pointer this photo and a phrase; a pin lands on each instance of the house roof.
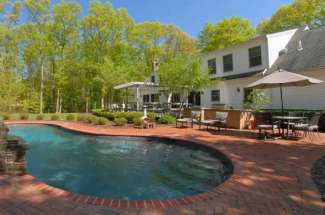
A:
(241, 75)
(305, 55)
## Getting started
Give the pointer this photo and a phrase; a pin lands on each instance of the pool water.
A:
(120, 167)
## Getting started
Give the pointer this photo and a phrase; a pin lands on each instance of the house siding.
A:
(232, 91)
(309, 97)
(276, 42)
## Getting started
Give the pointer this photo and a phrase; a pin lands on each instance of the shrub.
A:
(101, 121)
(151, 116)
(40, 117)
(24, 116)
(81, 118)
(70, 117)
(108, 115)
(91, 119)
(55, 117)
(6, 116)
(256, 100)
(137, 121)
(130, 116)
(120, 121)
(120, 115)
(167, 119)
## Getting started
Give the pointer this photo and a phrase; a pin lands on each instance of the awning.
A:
(135, 85)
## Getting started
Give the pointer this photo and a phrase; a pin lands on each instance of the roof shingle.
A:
(311, 56)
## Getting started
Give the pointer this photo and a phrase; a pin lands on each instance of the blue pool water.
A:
(120, 167)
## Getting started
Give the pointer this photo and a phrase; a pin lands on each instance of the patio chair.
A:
(309, 127)
(196, 117)
(185, 119)
(221, 118)
(219, 121)
(145, 123)
(265, 123)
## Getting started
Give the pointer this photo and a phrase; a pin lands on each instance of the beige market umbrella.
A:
(282, 78)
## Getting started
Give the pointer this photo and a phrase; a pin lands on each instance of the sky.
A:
(192, 15)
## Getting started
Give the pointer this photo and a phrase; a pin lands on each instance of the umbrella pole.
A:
(282, 109)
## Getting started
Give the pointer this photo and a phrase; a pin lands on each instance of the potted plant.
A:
(255, 101)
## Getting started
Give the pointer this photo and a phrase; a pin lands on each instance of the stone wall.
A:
(12, 154)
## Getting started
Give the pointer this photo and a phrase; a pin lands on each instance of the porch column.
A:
(138, 102)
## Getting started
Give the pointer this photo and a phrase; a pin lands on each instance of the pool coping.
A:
(131, 204)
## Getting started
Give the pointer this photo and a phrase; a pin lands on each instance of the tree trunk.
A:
(42, 89)
(57, 101)
(87, 104)
(103, 103)
(60, 108)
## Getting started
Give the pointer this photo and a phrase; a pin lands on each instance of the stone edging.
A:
(135, 204)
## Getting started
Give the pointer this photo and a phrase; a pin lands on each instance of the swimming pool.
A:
(132, 168)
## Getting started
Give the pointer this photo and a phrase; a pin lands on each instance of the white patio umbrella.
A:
(282, 78)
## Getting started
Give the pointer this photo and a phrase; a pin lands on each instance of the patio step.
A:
(203, 166)
(178, 183)
(202, 157)
(198, 175)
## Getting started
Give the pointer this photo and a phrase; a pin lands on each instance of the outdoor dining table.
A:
(288, 119)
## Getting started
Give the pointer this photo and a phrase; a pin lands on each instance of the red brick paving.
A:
(270, 178)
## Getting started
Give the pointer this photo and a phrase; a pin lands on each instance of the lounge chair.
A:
(219, 121)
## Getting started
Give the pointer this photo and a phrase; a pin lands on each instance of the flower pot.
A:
(253, 124)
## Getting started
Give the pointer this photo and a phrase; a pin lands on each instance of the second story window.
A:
(255, 56)
(227, 63)
(215, 95)
(212, 66)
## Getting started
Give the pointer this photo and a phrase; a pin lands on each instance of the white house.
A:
(299, 50)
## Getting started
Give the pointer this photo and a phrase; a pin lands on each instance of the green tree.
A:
(182, 75)
(295, 15)
(225, 33)
(37, 31)
(64, 34)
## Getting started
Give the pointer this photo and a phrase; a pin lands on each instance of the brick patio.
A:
(272, 177)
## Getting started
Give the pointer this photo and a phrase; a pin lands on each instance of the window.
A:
(176, 98)
(255, 56)
(154, 97)
(227, 63)
(212, 66)
(153, 79)
(215, 95)
(146, 98)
